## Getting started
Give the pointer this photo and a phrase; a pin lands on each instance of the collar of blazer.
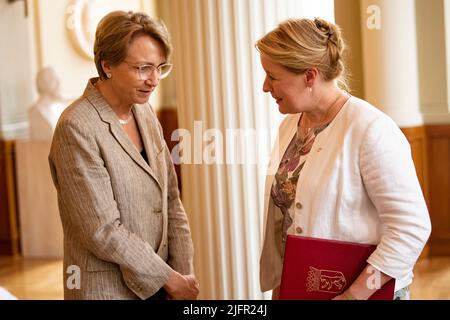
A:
(152, 143)
(286, 132)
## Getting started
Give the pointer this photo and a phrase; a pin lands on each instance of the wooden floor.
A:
(32, 279)
(41, 279)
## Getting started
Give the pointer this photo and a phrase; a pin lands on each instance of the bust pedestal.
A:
(43, 117)
(40, 225)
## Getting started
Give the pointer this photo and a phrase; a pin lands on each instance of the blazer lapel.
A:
(151, 145)
(107, 115)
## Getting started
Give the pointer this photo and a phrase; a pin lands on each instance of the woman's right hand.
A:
(181, 287)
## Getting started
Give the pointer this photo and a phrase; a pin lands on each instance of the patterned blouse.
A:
(286, 179)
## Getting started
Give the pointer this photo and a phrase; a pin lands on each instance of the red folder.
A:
(320, 269)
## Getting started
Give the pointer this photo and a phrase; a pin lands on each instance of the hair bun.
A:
(328, 29)
(333, 34)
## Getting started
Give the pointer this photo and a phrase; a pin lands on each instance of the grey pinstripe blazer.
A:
(123, 221)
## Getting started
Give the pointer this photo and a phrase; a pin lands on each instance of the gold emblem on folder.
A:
(325, 281)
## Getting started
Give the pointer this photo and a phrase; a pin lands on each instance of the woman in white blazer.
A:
(341, 169)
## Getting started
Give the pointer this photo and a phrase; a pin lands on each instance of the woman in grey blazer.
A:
(126, 234)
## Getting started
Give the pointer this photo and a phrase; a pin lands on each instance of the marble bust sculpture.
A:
(44, 114)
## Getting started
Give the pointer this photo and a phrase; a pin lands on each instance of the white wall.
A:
(42, 39)
(16, 67)
(56, 48)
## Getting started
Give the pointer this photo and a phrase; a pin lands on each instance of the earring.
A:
(310, 89)
(109, 75)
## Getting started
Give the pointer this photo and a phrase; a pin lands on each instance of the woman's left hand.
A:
(340, 297)
(346, 295)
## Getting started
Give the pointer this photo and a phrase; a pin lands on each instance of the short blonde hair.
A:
(118, 29)
(301, 44)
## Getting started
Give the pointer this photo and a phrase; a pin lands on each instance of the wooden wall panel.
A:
(169, 122)
(438, 141)
(4, 215)
(417, 139)
(9, 234)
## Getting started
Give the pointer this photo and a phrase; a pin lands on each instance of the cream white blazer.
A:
(359, 184)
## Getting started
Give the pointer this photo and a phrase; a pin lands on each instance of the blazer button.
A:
(298, 205)
(299, 230)
(157, 211)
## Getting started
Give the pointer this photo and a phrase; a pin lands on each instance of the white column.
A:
(433, 41)
(40, 225)
(219, 82)
(390, 59)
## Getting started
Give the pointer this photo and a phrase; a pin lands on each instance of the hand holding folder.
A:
(320, 269)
